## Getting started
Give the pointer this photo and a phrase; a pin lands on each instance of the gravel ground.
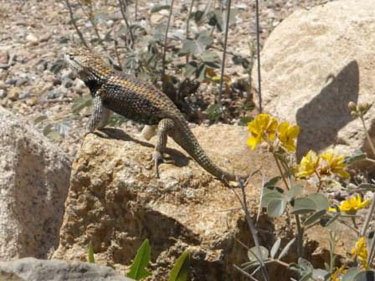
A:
(35, 34)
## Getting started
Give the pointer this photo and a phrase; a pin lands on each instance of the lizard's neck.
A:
(93, 85)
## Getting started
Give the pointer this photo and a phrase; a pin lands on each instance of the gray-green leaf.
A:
(138, 269)
(180, 270)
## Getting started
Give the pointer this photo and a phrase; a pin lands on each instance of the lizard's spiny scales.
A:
(139, 101)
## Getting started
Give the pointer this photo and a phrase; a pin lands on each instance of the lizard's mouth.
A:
(74, 65)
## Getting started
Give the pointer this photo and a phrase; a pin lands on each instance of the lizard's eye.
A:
(71, 57)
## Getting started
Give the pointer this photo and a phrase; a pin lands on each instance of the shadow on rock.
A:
(173, 157)
(322, 118)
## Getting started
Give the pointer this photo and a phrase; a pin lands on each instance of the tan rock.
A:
(116, 202)
(14, 93)
(32, 39)
(34, 179)
(313, 64)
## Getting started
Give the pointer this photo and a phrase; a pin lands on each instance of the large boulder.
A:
(31, 269)
(34, 181)
(313, 64)
(115, 202)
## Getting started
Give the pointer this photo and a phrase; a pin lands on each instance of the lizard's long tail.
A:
(185, 138)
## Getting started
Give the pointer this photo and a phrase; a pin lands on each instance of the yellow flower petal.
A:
(308, 165)
(333, 164)
(287, 135)
(262, 128)
(253, 142)
(360, 251)
(352, 204)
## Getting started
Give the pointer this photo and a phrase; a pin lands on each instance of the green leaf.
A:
(91, 253)
(270, 194)
(210, 57)
(286, 249)
(295, 191)
(314, 217)
(350, 274)
(54, 136)
(47, 129)
(215, 18)
(320, 274)
(180, 270)
(275, 247)
(368, 275)
(331, 220)
(101, 16)
(366, 187)
(303, 206)
(276, 208)
(356, 156)
(273, 181)
(196, 46)
(158, 7)
(138, 269)
(306, 269)
(213, 112)
(253, 256)
(40, 119)
(244, 120)
(320, 201)
(190, 69)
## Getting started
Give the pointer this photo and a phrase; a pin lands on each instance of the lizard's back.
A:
(137, 100)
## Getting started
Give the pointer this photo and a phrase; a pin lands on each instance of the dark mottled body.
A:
(123, 95)
(141, 102)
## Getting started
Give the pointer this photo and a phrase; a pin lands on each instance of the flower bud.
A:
(352, 106)
(363, 107)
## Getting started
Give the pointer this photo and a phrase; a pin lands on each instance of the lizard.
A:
(135, 99)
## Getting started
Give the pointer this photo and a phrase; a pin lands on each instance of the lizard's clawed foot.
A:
(83, 138)
(157, 157)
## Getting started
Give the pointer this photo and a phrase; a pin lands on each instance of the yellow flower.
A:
(351, 205)
(333, 164)
(339, 272)
(308, 165)
(288, 135)
(263, 127)
(360, 251)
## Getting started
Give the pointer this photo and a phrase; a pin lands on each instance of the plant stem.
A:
(224, 54)
(299, 237)
(136, 10)
(258, 57)
(371, 252)
(166, 39)
(367, 135)
(253, 230)
(123, 13)
(188, 25)
(368, 217)
(281, 171)
(90, 18)
(117, 54)
(75, 24)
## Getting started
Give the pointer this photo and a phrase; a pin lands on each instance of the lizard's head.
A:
(89, 66)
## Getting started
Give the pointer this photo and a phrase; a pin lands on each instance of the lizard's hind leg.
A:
(164, 126)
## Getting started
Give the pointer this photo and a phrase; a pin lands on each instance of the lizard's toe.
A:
(157, 158)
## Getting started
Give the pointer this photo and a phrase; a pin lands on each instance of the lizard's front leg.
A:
(164, 126)
(99, 116)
